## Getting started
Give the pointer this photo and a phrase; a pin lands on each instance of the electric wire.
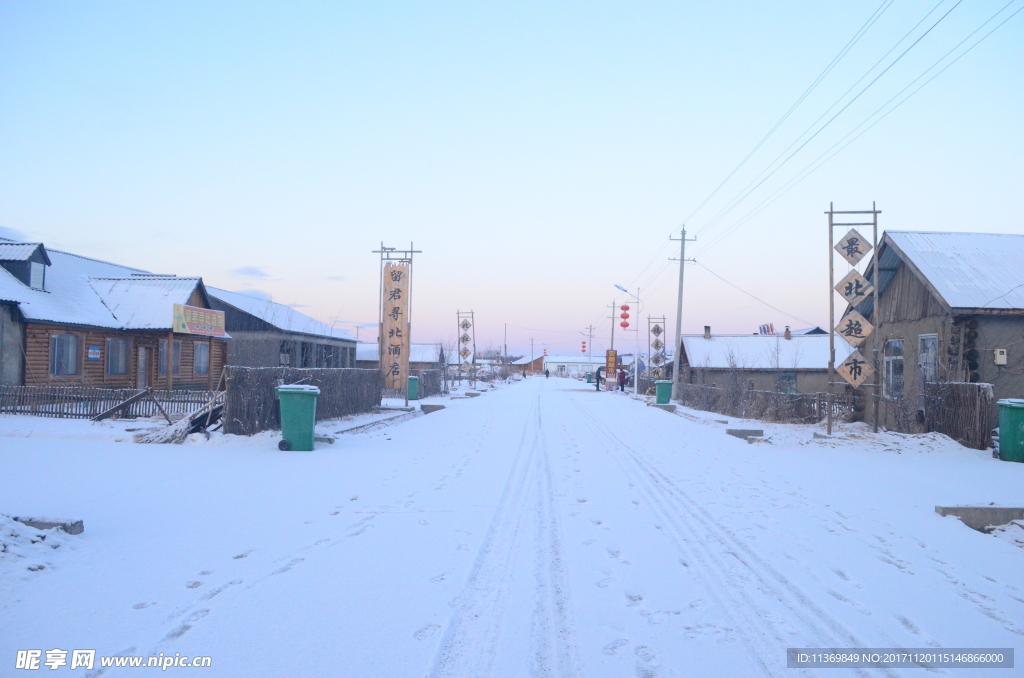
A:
(752, 296)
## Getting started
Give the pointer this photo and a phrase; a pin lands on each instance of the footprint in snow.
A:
(243, 555)
(589, 542)
(205, 573)
(426, 631)
(634, 599)
(141, 606)
(605, 583)
(423, 522)
(612, 647)
(193, 584)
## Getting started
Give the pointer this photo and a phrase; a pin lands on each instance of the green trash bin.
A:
(414, 388)
(663, 389)
(1011, 429)
(590, 377)
(298, 416)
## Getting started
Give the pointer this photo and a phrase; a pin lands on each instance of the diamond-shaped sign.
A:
(656, 373)
(656, 330)
(854, 328)
(853, 247)
(855, 288)
(657, 344)
(855, 369)
(464, 339)
(465, 352)
(657, 359)
(465, 325)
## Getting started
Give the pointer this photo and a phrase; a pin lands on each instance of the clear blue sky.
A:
(539, 153)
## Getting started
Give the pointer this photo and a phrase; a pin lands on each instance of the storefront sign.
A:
(394, 342)
(93, 353)
(194, 320)
(611, 362)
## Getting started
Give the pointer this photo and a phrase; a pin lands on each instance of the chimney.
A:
(707, 331)
(788, 334)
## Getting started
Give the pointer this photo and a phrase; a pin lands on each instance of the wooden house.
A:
(71, 320)
(951, 309)
(268, 334)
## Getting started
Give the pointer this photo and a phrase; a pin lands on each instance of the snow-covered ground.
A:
(539, 529)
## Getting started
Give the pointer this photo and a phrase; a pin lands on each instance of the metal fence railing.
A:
(85, 402)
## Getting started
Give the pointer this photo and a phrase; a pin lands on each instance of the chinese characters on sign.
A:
(854, 288)
(855, 328)
(853, 247)
(611, 363)
(194, 320)
(394, 354)
(855, 369)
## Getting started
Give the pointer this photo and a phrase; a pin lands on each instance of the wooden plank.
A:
(120, 406)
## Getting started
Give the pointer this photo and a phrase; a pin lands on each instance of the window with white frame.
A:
(892, 382)
(117, 355)
(64, 354)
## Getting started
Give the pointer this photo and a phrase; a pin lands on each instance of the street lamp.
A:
(636, 354)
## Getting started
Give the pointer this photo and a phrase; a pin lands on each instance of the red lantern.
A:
(624, 324)
(624, 307)
(624, 316)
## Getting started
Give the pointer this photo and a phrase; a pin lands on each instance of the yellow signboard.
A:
(195, 320)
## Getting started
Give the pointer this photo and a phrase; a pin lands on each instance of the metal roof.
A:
(20, 251)
(762, 351)
(280, 316)
(970, 271)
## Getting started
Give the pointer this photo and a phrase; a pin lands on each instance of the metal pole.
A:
(831, 321)
(877, 317)
(636, 355)
(612, 347)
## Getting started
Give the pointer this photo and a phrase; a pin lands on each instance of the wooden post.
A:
(170, 360)
(877, 316)
(831, 320)
(209, 367)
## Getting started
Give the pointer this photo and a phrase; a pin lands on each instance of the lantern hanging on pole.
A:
(624, 307)
(624, 324)
(624, 316)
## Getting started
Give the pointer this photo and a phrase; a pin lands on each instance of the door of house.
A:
(142, 374)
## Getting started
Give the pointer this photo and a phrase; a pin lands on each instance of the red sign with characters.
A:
(195, 320)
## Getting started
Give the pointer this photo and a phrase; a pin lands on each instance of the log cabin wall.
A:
(38, 342)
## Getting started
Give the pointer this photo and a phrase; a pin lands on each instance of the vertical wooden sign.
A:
(394, 345)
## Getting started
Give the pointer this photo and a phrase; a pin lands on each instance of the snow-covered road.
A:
(542, 529)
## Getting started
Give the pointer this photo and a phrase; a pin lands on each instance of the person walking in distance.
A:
(622, 380)
(597, 379)
(547, 374)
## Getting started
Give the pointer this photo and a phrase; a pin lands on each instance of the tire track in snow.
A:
(470, 644)
(690, 527)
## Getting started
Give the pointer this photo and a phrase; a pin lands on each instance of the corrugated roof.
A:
(144, 302)
(968, 270)
(418, 353)
(18, 251)
(280, 316)
(762, 352)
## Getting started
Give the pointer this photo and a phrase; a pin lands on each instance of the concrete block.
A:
(69, 526)
(427, 409)
(721, 421)
(458, 397)
(758, 439)
(667, 408)
(745, 432)
(324, 439)
(472, 394)
(981, 518)
(821, 435)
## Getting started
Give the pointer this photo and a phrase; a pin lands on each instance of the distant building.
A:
(572, 366)
(421, 356)
(951, 310)
(68, 320)
(527, 366)
(762, 362)
(268, 334)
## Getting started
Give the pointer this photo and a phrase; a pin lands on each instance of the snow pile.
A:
(21, 545)
(1012, 533)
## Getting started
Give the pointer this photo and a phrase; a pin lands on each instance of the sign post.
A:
(394, 340)
(611, 367)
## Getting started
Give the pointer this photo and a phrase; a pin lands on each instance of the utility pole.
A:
(506, 346)
(677, 350)
(531, 350)
(612, 316)
(590, 344)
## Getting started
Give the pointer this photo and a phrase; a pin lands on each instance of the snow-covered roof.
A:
(75, 290)
(968, 270)
(522, 361)
(20, 251)
(144, 302)
(418, 353)
(762, 352)
(280, 316)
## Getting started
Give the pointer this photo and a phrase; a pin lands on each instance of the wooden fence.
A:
(960, 410)
(85, 402)
(251, 405)
(793, 408)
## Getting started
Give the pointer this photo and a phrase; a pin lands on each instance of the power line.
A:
(752, 296)
(752, 186)
(821, 76)
(814, 165)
